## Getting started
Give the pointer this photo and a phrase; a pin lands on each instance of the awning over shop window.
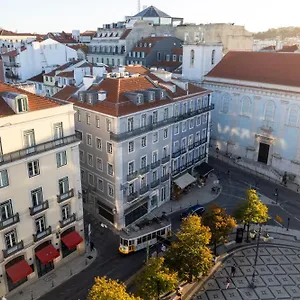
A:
(19, 271)
(72, 239)
(185, 180)
(47, 254)
(204, 169)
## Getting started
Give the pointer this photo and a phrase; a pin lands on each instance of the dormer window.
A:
(150, 45)
(145, 45)
(22, 105)
(139, 99)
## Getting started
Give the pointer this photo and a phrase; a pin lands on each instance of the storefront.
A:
(182, 185)
(70, 239)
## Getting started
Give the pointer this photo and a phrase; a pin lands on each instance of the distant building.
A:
(84, 37)
(1, 70)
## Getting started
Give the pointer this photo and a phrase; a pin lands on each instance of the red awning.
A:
(72, 239)
(19, 271)
(47, 254)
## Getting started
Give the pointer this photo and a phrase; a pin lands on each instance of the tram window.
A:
(149, 237)
(125, 242)
(153, 235)
(144, 238)
(131, 243)
(163, 231)
(139, 240)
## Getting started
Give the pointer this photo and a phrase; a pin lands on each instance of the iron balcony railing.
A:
(175, 172)
(176, 154)
(165, 159)
(39, 148)
(40, 235)
(11, 64)
(191, 146)
(119, 137)
(155, 183)
(12, 250)
(155, 164)
(38, 208)
(144, 170)
(65, 196)
(66, 222)
(131, 197)
(144, 189)
(165, 177)
(189, 164)
(9, 221)
(132, 176)
(183, 167)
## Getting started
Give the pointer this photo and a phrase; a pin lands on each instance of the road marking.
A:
(297, 219)
(233, 196)
(277, 222)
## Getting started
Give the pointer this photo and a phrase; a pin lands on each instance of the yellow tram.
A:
(144, 234)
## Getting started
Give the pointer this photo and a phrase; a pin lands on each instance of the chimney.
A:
(101, 95)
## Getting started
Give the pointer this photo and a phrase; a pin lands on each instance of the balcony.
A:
(144, 189)
(131, 197)
(183, 150)
(119, 137)
(12, 75)
(144, 170)
(183, 167)
(165, 159)
(11, 64)
(189, 164)
(191, 146)
(65, 196)
(202, 156)
(165, 178)
(175, 172)
(155, 183)
(66, 222)
(155, 164)
(196, 144)
(39, 148)
(10, 251)
(176, 154)
(38, 208)
(39, 236)
(9, 221)
(132, 176)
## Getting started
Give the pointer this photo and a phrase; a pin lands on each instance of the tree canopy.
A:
(281, 32)
(108, 289)
(190, 255)
(155, 279)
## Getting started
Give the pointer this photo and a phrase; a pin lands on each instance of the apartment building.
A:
(41, 219)
(127, 126)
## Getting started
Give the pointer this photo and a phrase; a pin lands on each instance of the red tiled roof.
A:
(37, 78)
(4, 32)
(137, 69)
(61, 68)
(90, 33)
(63, 37)
(84, 48)
(147, 50)
(66, 92)
(269, 48)
(35, 102)
(14, 52)
(287, 48)
(177, 51)
(171, 63)
(68, 74)
(266, 67)
(125, 34)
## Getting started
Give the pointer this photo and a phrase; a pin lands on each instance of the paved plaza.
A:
(278, 276)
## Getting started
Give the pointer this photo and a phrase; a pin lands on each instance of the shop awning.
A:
(204, 169)
(47, 254)
(19, 271)
(185, 180)
(72, 239)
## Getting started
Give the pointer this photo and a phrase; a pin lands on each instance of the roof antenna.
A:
(139, 6)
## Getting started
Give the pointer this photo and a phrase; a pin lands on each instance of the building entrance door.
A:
(263, 153)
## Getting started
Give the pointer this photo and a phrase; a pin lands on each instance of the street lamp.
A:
(252, 284)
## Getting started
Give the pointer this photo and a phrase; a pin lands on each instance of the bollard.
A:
(86, 262)
(190, 204)
(52, 284)
(171, 209)
(71, 272)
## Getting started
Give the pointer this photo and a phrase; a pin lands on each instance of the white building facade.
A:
(41, 222)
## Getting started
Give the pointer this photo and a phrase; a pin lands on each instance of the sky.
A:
(43, 16)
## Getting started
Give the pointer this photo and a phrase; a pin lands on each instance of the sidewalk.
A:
(54, 278)
(198, 195)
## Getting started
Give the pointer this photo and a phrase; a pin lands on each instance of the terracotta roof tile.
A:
(84, 48)
(177, 51)
(14, 52)
(286, 48)
(90, 33)
(68, 74)
(66, 93)
(268, 48)
(137, 69)
(35, 102)
(4, 32)
(266, 67)
(125, 34)
(37, 78)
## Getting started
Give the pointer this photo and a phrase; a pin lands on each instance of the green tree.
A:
(190, 255)
(108, 289)
(220, 223)
(251, 210)
(155, 279)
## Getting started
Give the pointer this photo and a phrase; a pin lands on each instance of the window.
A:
(78, 134)
(166, 133)
(192, 62)
(154, 117)
(97, 122)
(108, 125)
(176, 110)
(131, 146)
(199, 103)
(37, 196)
(81, 155)
(58, 131)
(65, 212)
(40, 224)
(191, 140)
(166, 113)
(143, 181)
(143, 120)
(99, 143)
(165, 151)
(155, 137)
(100, 184)
(131, 168)
(3, 178)
(29, 140)
(176, 128)
(180, 58)
(213, 57)
(88, 119)
(130, 124)
(61, 159)
(293, 116)
(109, 148)
(110, 169)
(191, 123)
(184, 126)
(163, 193)
(198, 121)
(184, 108)
(89, 139)
(154, 156)
(144, 141)
(91, 179)
(154, 175)
(246, 106)
(78, 116)
(197, 137)
(143, 162)
(63, 185)
(82, 173)
(158, 56)
(111, 190)
(90, 160)
(164, 170)
(168, 57)
(204, 133)
(10, 239)
(33, 168)
(6, 210)
(99, 164)
(204, 119)
(22, 105)
(269, 111)
(183, 143)
(225, 103)
(131, 188)
(174, 57)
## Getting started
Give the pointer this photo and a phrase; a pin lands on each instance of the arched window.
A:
(246, 106)
(192, 58)
(269, 111)
(213, 57)
(226, 103)
(293, 115)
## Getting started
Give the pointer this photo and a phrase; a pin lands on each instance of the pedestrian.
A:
(233, 269)
(227, 283)
(179, 292)
(228, 173)
(92, 246)
(276, 192)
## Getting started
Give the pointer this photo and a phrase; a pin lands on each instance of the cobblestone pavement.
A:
(278, 276)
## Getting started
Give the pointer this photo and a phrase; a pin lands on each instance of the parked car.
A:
(194, 210)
